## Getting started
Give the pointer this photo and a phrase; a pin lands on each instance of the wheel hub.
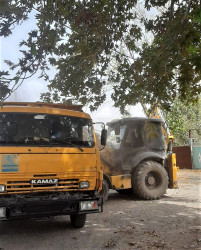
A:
(151, 180)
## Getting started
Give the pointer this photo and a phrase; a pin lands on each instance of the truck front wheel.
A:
(149, 180)
(105, 191)
(78, 220)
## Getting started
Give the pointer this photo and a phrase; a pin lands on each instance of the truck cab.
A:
(49, 162)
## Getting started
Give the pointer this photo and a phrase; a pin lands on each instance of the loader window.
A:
(115, 135)
(134, 136)
(45, 129)
(155, 135)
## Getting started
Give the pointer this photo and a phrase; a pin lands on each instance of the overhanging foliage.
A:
(95, 44)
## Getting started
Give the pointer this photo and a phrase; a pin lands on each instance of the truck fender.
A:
(146, 156)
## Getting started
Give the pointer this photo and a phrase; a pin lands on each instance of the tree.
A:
(93, 44)
(182, 118)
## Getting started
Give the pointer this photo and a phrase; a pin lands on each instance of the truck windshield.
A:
(45, 130)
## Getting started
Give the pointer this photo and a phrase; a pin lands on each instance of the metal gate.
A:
(196, 152)
(183, 157)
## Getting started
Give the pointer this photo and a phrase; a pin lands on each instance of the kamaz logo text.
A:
(45, 181)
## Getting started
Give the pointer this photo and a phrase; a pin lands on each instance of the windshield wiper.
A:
(68, 142)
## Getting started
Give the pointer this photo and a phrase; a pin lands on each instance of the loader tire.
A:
(105, 191)
(149, 180)
(78, 220)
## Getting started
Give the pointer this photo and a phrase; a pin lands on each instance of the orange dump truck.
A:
(49, 162)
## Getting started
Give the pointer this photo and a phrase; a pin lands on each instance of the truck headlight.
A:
(84, 184)
(2, 188)
(88, 205)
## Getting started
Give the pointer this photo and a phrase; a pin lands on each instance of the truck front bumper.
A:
(42, 206)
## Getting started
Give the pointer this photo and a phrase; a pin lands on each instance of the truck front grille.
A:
(25, 186)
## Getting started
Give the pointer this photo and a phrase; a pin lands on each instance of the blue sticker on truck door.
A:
(9, 163)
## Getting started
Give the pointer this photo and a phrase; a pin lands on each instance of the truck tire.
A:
(78, 220)
(149, 180)
(105, 191)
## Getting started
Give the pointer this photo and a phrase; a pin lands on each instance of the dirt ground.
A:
(173, 222)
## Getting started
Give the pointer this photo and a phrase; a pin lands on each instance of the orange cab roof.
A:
(45, 105)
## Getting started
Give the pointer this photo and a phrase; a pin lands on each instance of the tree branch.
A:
(172, 8)
(189, 6)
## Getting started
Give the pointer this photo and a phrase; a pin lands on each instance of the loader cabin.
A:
(136, 133)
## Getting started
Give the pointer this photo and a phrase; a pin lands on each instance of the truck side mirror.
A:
(103, 137)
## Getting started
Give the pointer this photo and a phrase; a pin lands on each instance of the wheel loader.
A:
(138, 159)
